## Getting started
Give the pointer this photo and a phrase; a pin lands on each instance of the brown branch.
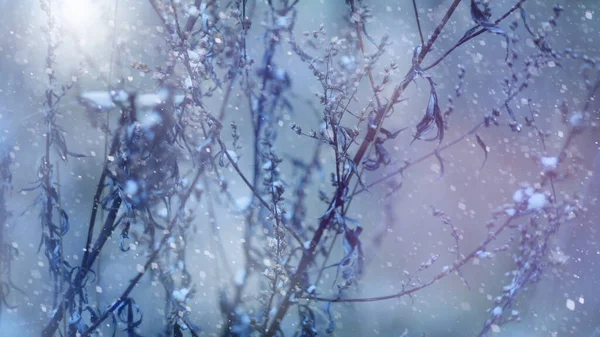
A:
(191, 20)
(414, 2)
(436, 278)
(96, 202)
(76, 285)
(255, 192)
(420, 159)
(381, 113)
(308, 254)
(151, 258)
(479, 32)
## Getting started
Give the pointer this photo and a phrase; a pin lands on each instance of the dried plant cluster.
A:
(172, 153)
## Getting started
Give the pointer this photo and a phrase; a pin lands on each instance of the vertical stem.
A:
(414, 2)
(106, 134)
(161, 244)
(102, 213)
(362, 49)
(308, 255)
(62, 256)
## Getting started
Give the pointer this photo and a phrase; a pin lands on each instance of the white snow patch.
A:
(519, 196)
(180, 294)
(74, 318)
(558, 257)
(536, 201)
(233, 155)
(131, 187)
(105, 100)
(240, 277)
(576, 120)
(549, 163)
(151, 120)
(149, 100)
(243, 202)
(178, 99)
(570, 304)
(162, 212)
(102, 100)
(495, 328)
(194, 11)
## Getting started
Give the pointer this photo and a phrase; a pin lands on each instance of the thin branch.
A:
(239, 172)
(357, 27)
(381, 113)
(414, 2)
(192, 18)
(308, 254)
(76, 285)
(96, 202)
(436, 278)
(61, 234)
(151, 258)
(420, 159)
(254, 191)
(479, 32)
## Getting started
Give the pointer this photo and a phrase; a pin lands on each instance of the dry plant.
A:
(173, 153)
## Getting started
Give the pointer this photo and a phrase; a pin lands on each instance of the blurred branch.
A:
(455, 267)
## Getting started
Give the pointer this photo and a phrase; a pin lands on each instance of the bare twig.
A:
(151, 258)
(456, 266)
(414, 2)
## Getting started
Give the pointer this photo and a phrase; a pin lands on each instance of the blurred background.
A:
(467, 192)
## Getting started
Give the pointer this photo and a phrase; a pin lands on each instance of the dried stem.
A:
(308, 254)
(456, 266)
(414, 2)
(150, 259)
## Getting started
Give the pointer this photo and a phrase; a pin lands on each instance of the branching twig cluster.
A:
(169, 154)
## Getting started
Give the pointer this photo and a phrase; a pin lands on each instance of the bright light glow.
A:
(78, 15)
